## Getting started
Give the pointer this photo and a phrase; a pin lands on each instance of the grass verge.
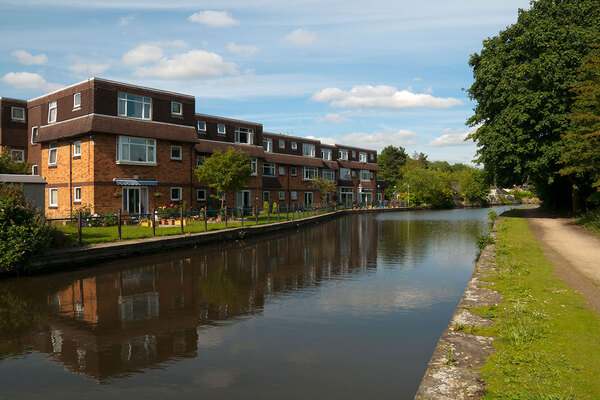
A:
(590, 220)
(548, 343)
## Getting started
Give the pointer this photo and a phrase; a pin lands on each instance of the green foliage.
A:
(10, 165)
(429, 187)
(523, 78)
(324, 186)
(390, 161)
(492, 216)
(483, 240)
(23, 229)
(471, 184)
(591, 220)
(226, 172)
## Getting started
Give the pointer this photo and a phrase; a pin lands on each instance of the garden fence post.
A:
(154, 222)
(225, 217)
(268, 214)
(287, 211)
(242, 217)
(293, 211)
(277, 213)
(119, 223)
(79, 226)
(256, 214)
(205, 221)
(181, 218)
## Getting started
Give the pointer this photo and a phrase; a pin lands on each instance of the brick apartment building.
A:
(113, 145)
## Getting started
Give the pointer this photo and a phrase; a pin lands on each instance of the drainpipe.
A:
(191, 175)
(70, 177)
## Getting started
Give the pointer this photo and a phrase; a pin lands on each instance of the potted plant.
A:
(158, 195)
(116, 195)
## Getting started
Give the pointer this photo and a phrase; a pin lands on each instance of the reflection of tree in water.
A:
(18, 319)
(228, 291)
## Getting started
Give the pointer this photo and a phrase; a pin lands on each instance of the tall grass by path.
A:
(591, 220)
(548, 343)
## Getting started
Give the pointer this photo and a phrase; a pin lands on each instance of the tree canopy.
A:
(523, 78)
(10, 165)
(390, 161)
(227, 172)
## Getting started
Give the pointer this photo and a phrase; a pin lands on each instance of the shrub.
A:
(23, 229)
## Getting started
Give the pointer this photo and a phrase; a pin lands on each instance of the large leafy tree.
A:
(581, 155)
(10, 165)
(390, 161)
(324, 186)
(227, 172)
(522, 87)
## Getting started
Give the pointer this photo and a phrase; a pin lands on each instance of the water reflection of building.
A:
(128, 319)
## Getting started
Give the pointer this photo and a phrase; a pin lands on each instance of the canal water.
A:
(348, 309)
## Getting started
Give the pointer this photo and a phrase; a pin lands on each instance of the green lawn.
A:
(548, 343)
(91, 235)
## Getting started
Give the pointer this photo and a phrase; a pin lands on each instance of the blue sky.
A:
(368, 74)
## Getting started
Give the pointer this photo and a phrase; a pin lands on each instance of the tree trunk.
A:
(575, 196)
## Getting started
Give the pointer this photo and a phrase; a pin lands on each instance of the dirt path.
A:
(574, 251)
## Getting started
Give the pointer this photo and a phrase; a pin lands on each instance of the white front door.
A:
(135, 200)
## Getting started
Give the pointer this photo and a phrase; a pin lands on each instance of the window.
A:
(134, 106)
(371, 175)
(353, 173)
(201, 125)
(294, 145)
(329, 174)
(362, 157)
(200, 161)
(371, 156)
(343, 154)
(254, 166)
(281, 170)
(136, 150)
(310, 173)
(176, 194)
(294, 195)
(244, 135)
(76, 101)
(52, 154)
(293, 171)
(281, 144)
(53, 197)
(326, 154)
(201, 194)
(308, 150)
(34, 133)
(221, 129)
(176, 153)
(269, 169)
(176, 109)
(18, 155)
(77, 195)
(364, 175)
(52, 109)
(268, 145)
(77, 148)
(266, 197)
(17, 114)
(353, 154)
(345, 174)
(281, 195)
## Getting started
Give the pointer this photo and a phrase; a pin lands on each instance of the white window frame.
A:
(34, 169)
(77, 199)
(21, 152)
(293, 171)
(173, 147)
(12, 114)
(150, 145)
(281, 170)
(237, 136)
(326, 154)
(371, 156)
(173, 107)
(353, 153)
(310, 173)
(34, 134)
(200, 161)
(281, 144)
(266, 196)
(50, 191)
(76, 151)
(308, 150)
(203, 192)
(343, 154)
(293, 195)
(124, 99)
(365, 175)
(221, 129)
(362, 157)
(270, 166)
(254, 167)
(345, 174)
(52, 106)
(76, 101)
(294, 146)
(52, 148)
(281, 195)
(328, 174)
(268, 145)
(180, 193)
(201, 128)
(353, 173)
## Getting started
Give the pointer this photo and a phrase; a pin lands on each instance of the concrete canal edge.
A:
(452, 373)
(89, 255)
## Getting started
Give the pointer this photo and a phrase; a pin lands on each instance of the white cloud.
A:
(88, 68)
(333, 118)
(124, 21)
(214, 18)
(375, 140)
(27, 80)
(417, 78)
(242, 50)
(301, 38)
(382, 97)
(143, 54)
(29, 59)
(429, 90)
(194, 64)
(454, 138)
